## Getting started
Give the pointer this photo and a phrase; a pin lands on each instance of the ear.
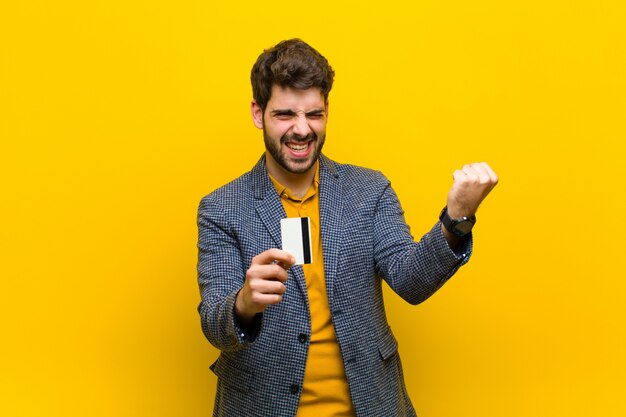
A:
(257, 114)
(326, 109)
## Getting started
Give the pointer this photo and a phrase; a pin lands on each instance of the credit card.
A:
(295, 233)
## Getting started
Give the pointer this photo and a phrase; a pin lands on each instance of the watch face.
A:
(464, 226)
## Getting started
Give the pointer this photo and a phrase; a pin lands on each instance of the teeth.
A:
(297, 147)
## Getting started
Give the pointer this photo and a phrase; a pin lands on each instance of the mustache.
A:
(290, 137)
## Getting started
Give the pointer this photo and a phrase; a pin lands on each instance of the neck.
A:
(298, 184)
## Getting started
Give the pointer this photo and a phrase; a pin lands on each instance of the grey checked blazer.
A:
(364, 238)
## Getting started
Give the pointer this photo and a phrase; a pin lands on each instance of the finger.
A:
(271, 255)
(472, 174)
(492, 174)
(268, 287)
(274, 287)
(482, 172)
(459, 176)
(282, 265)
(267, 299)
(267, 272)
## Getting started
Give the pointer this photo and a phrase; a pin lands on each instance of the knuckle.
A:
(253, 271)
(249, 274)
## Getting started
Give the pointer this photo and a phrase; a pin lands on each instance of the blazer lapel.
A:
(268, 205)
(331, 209)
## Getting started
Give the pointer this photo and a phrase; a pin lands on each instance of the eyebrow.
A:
(289, 112)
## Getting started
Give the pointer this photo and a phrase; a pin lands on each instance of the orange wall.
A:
(117, 117)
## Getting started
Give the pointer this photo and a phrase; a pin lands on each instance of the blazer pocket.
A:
(387, 345)
(232, 375)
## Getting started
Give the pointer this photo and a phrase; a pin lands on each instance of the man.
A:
(313, 339)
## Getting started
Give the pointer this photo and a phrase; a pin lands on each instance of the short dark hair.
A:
(291, 63)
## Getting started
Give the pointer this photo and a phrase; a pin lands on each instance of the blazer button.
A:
(302, 338)
(294, 388)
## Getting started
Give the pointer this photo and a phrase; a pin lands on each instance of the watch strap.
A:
(460, 227)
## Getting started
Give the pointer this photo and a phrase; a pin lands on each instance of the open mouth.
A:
(299, 149)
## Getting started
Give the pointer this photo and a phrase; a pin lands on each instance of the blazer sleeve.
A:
(220, 277)
(414, 270)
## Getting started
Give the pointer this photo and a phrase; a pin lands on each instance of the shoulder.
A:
(357, 177)
(362, 175)
(230, 195)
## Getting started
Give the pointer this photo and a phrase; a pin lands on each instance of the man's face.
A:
(294, 127)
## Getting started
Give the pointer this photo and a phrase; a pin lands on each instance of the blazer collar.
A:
(261, 183)
(260, 180)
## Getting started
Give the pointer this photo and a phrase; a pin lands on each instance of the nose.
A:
(301, 126)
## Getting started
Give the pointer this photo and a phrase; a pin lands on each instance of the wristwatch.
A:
(459, 227)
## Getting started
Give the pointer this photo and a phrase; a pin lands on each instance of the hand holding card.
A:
(264, 284)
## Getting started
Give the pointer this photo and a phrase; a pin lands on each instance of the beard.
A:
(299, 167)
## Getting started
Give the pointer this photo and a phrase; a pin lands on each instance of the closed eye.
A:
(283, 114)
(315, 115)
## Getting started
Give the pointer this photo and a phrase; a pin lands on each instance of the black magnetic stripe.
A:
(306, 248)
